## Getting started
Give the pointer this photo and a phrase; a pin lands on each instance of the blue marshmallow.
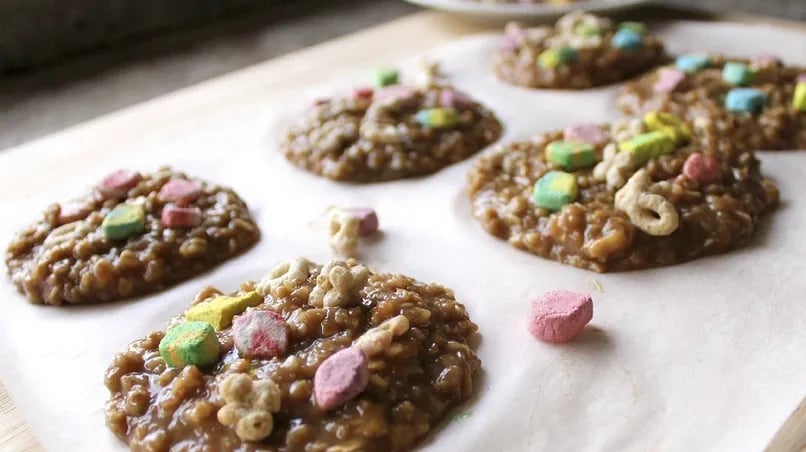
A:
(693, 62)
(747, 100)
(627, 39)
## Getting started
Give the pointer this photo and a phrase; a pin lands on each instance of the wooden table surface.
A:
(382, 44)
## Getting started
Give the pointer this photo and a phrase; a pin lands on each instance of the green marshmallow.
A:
(386, 77)
(586, 29)
(571, 155)
(124, 221)
(190, 344)
(737, 74)
(554, 190)
(551, 58)
(437, 118)
(648, 146)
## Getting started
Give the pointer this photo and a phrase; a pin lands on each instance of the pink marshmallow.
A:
(73, 211)
(801, 78)
(260, 334)
(586, 133)
(181, 217)
(368, 219)
(180, 191)
(118, 183)
(559, 316)
(701, 168)
(765, 59)
(340, 378)
(407, 96)
(668, 79)
(363, 92)
(452, 98)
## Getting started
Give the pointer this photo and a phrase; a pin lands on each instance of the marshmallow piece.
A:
(701, 168)
(587, 29)
(180, 217)
(552, 58)
(737, 74)
(368, 219)
(554, 190)
(626, 39)
(571, 155)
(124, 221)
(657, 121)
(559, 316)
(340, 378)
(404, 95)
(74, 211)
(190, 344)
(117, 184)
(437, 118)
(799, 97)
(635, 27)
(765, 59)
(260, 334)
(363, 92)
(745, 100)
(457, 100)
(668, 80)
(180, 191)
(585, 133)
(693, 62)
(220, 311)
(386, 76)
(647, 146)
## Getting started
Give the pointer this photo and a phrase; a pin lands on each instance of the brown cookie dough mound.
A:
(616, 212)
(389, 133)
(581, 51)
(414, 337)
(72, 255)
(700, 97)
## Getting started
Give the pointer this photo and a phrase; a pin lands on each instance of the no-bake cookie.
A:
(391, 131)
(133, 234)
(756, 104)
(312, 358)
(633, 195)
(581, 51)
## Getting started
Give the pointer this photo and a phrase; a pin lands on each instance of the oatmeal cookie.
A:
(580, 51)
(634, 195)
(374, 372)
(392, 132)
(742, 103)
(133, 234)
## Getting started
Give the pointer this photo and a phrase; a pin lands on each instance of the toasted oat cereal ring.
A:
(190, 344)
(220, 311)
(180, 191)
(260, 334)
(181, 217)
(118, 183)
(559, 316)
(340, 378)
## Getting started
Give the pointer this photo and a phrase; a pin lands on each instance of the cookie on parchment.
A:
(133, 234)
(315, 358)
(580, 51)
(633, 195)
(754, 104)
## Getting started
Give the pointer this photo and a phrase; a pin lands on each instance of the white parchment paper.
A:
(703, 356)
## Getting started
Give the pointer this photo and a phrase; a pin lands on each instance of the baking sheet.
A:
(707, 355)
